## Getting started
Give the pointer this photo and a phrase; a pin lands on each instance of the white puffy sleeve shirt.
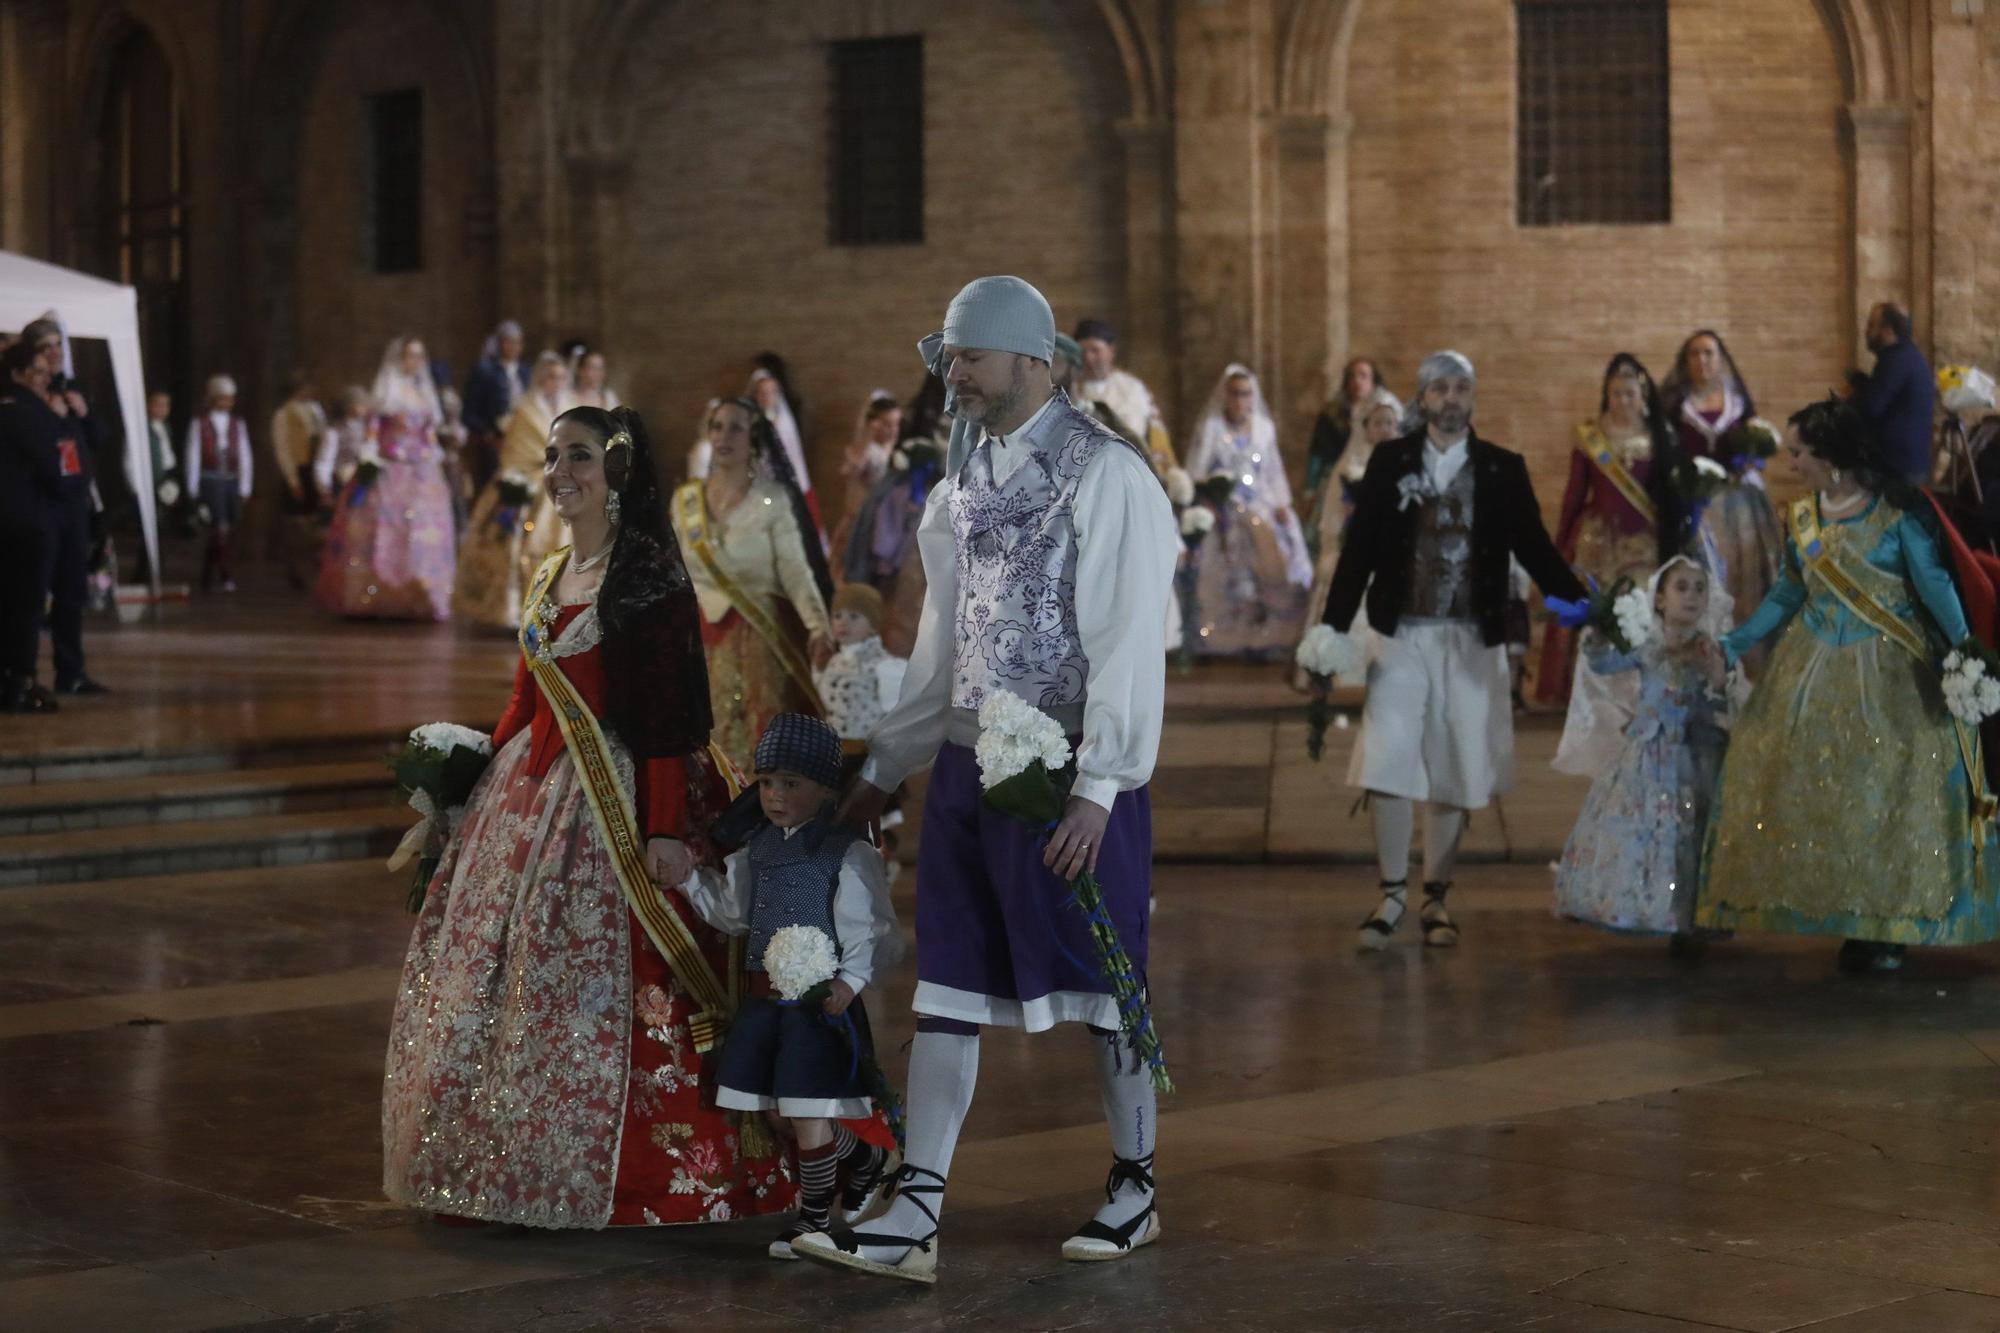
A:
(864, 921)
(1127, 542)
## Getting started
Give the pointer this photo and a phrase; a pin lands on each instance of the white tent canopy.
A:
(93, 308)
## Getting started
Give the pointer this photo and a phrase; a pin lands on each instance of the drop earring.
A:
(1836, 477)
(612, 505)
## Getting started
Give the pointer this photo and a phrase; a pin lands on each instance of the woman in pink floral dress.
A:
(392, 549)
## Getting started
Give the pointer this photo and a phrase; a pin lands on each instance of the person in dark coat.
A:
(1439, 517)
(29, 477)
(1899, 398)
(68, 518)
(497, 380)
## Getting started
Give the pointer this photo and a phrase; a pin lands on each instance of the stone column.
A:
(1221, 174)
(1311, 260)
(1150, 338)
(1877, 139)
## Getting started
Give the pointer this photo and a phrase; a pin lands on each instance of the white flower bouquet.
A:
(436, 769)
(1622, 613)
(801, 962)
(1180, 487)
(1197, 521)
(1024, 767)
(1971, 690)
(1632, 612)
(1325, 654)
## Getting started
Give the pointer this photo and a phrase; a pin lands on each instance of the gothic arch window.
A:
(1592, 143)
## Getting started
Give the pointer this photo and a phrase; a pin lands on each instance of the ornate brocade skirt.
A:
(540, 1068)
(1845, 807)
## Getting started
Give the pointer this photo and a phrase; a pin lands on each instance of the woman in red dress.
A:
(546, 1057)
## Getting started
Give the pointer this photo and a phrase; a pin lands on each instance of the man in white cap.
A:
(1049, 550)
(1438, 519)
(216, 463)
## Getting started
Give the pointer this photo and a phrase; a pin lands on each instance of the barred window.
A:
(1592, 128)
(396, 181)
(876, 178)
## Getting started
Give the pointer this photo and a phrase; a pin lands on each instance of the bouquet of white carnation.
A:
(1325, 654)
(1024, 766)
(1971, 691)
(801, 962)
(437, 770)
(1197, 521)
(1633, 612)
(1180, 487)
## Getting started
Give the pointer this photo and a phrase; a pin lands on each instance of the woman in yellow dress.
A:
(760, 576)
(513, 527)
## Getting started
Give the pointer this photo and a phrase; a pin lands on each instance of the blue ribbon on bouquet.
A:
(504, 517)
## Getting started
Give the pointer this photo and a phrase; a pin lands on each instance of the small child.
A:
(798, 869)
(216, 465)
(1632, 861)
(344, 445)
(859, 685)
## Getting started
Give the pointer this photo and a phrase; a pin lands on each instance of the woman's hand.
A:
(842, 996)
(668, 861)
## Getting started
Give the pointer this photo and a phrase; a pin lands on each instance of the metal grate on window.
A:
(1592, 139)
(876, 178)
(396, 181)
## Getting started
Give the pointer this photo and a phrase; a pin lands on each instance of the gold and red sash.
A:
(616, 822)
(697, 533)
(1821, 560)
(1590, 442)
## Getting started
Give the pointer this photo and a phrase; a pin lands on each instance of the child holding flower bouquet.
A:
(1632, 862)
(814, 902)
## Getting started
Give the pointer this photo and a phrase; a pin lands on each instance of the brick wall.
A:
(350, 312)
(723, 246)
(1966, 159)
(1754, 248)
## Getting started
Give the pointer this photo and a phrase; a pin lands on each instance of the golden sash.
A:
(691, 508)
(1843, 585)
(1590, 442)
(616, 823)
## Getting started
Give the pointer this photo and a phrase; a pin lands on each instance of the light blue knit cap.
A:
(1000, 314)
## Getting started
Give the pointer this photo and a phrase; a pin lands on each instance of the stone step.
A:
(232, 793)
(110, 763)
(136, 850)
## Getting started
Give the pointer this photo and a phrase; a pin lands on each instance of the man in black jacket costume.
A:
(1436, 519)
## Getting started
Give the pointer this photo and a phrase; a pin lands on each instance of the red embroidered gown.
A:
(540, 1069)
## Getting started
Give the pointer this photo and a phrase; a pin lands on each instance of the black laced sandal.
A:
(781, 1248)
(1440, 932)
(867, 1189)
(1377, 930)
(842, 1249)
(1094, 1242)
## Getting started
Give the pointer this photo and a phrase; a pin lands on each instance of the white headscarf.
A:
(1259, 468)
(396, 392)
(787, 427)
(1601, 706)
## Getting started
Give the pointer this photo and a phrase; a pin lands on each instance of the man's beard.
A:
(1448, 420)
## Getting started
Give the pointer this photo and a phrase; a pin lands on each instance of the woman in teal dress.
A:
(1851, 802)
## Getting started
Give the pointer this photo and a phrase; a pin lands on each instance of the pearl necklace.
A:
(580, 565)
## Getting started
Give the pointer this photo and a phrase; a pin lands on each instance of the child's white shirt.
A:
(859, 685)
(864, 920)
